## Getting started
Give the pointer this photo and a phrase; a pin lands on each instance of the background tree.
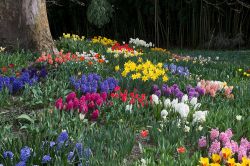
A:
(24, 24)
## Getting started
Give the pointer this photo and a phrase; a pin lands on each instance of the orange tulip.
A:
(181, 149)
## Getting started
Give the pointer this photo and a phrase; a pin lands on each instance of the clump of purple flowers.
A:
(218, 140)
(75, 152)
(175, 91)
(93, 82)
(179, 70)
(36, 72)
(27, 77)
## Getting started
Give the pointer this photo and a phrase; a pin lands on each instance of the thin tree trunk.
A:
(24, 24)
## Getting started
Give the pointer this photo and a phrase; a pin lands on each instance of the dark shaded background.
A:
(181, 23)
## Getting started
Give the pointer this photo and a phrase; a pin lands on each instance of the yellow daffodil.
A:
(216, 158)
(117, 68)
(231, 162)
(226, 153)
(145, 71)
(214, 164)
(245, 161)
(204, 161)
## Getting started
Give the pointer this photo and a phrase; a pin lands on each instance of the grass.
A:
(115, 137)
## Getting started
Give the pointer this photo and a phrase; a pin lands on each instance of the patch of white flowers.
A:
(139, 42)
(185, 108)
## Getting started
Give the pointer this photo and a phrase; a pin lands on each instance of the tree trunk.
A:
(24, 25)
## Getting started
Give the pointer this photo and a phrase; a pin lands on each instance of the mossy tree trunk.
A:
(24, 25)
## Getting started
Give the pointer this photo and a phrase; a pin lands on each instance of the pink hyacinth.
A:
(99, 101)
(71, 96)
(214, 133)
(224, 138)
(75, 103)
(214, 148)
(229, 133)
(232, 145)
(87, 96)
(95, 114)
(91, 105)
(83, 108)
(104, 95)
(59, 104)
(202, 142)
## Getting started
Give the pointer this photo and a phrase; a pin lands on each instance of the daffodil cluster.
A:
(146, 71)
(103, 40)
(73, 37)
(160, 50)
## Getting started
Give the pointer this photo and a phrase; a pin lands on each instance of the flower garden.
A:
(103, 102)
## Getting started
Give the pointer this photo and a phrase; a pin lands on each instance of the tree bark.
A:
(24, 25)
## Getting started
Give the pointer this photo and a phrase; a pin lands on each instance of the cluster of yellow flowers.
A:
(103, 40)
(2, 49)
(73, 37)
(160, 50)
(124, 52)
(245, 73)
(144, 70)
(226, 159)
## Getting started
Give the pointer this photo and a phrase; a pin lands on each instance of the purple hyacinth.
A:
(8, 154)
(46, 159)
(52, 143)
(63, 137)
(21, 163)
(79, 148)
(87, 153)
(70, 156)
(25, 153)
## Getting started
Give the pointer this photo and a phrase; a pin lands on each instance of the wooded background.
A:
(168, 23)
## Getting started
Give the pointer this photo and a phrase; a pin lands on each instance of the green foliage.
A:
(99, 12)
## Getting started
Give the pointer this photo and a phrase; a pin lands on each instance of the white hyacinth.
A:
(193, 101)
(164, 114)
(167, 103)
(199, 116)
(155, 99)
(182, 109)
(184, 98)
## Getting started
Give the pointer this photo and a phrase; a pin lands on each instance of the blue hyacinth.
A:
(179, 70)
(93, 83)
(28, 77)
